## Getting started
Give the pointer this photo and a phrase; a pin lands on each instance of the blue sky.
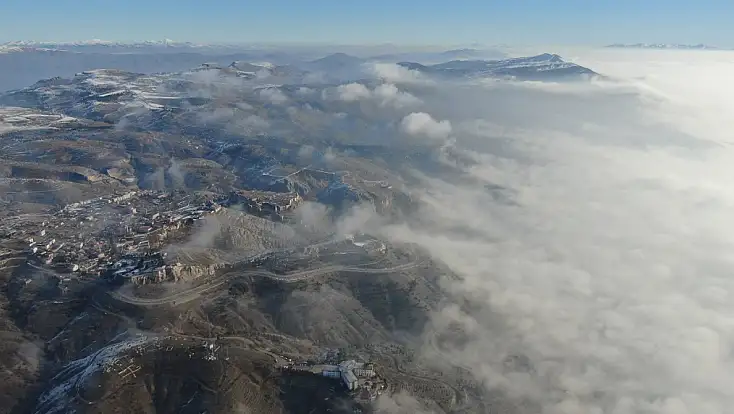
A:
(373, 21)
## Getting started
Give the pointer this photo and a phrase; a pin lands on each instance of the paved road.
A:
(195, 292)
(179, 297)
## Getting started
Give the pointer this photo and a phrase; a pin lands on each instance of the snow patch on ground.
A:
(73, 375)
(24, 119)
(119, 92)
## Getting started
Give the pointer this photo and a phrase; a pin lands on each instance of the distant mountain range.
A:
(96, 45)
(661, 46)
(24, 62)
(388, 53)
(544, 67)
(541, 67)
(168, 45)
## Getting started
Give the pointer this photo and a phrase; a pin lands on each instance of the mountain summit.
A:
(545, 66)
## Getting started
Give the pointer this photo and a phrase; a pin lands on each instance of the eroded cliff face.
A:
(176, 273)
(180, 272)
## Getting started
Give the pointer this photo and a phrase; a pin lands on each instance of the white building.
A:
(349, 371)
(350, 380)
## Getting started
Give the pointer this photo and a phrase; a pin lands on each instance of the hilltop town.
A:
(121, 235)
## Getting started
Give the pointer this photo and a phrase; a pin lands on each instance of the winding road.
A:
(293, 277)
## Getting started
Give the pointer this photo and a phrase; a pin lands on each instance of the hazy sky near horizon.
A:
(374, 21)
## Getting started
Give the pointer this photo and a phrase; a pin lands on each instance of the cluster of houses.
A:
(119, 232)
(121, 235)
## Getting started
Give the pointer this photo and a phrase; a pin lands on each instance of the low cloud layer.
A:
(600, 282)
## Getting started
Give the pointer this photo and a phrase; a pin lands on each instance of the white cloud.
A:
(390, 72)
(421, 123)
(353, 92)
(691, 89)
(389, 94)
(235, 120)
(593, 237)
(273, 95)
(384, 95)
